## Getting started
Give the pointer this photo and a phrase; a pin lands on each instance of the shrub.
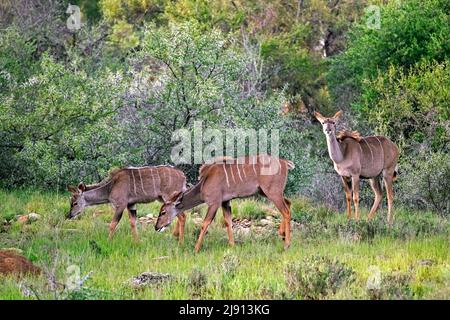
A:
(316, 277)
(393, 286)
(424, 182)
(197, 282)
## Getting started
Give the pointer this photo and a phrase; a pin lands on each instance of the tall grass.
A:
(412, 257)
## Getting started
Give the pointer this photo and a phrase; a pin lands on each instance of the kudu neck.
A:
(191, 198)
(97, 195)
(334, 149)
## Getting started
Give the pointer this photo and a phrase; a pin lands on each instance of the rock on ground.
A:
(147, 278)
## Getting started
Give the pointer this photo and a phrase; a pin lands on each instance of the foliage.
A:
(50, 121)
(192, 76)
(410, 32)
(316, 277)
(77, 103)
(425, 181)
(252, 269)
(408, 108)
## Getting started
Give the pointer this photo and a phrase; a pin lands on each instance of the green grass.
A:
(256, 268)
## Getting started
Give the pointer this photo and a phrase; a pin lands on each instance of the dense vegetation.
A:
(76, 102)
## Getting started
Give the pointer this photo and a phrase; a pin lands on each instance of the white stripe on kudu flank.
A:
(371, 153)
(142, 183)
(163, 178)
(170, 177)
(381, 146)
(134, 181)
(254, 162)
(153, 180)
(232, 174)
(159, 180)
(226, 174)
(243, 170)
(239, 172)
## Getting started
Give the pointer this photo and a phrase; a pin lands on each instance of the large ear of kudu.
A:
(81, 187)
(319, 117)
(173, 197)
(72, 189)
(337, 115)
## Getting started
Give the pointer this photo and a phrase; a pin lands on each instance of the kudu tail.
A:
(394, 178)
(290, 164)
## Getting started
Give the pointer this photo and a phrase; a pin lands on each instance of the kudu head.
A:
(168, 211)
(328, 124)
(77, 201)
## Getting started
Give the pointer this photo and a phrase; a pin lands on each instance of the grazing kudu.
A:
(125, 187)
(225, 179)
(356, 158)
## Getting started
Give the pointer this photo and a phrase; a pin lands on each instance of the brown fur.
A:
(341, 135)
(13, 263)
(126, 187)
(355, 157)
(220, 182)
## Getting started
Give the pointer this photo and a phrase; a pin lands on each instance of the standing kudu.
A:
(226, 179)
(126, 187)
(357, 157)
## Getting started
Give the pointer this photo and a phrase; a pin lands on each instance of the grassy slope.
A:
(255, 268)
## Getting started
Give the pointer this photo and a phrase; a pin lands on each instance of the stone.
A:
(426, 262)
(23, 219)
(266, 222)
(197, 221)
(147, 278)
(33, 216)
(243, 232)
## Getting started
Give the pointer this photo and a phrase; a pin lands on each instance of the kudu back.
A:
(225, 179)
(126, 187)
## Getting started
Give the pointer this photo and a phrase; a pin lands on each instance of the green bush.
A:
(395, 286)
(316, 278)
(424, 182)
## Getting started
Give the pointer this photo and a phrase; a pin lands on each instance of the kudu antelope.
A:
(356, 158)
(126, 187)
(225, 179)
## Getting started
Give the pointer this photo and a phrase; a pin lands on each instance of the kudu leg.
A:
(114, 222)
(132, 213)
(212, 209)
(348, 197)
(179, 227)
(355, 189)
(226, 208)
(376, 187)
(281, 229)
(388, 179)
(284, 208)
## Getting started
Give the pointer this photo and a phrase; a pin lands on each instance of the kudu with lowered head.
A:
(225, 179)
(126, 187)
(355, 157)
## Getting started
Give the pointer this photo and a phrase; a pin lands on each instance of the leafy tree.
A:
(413, 107)
(45, 117)
(411, 31)
(190, 75)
